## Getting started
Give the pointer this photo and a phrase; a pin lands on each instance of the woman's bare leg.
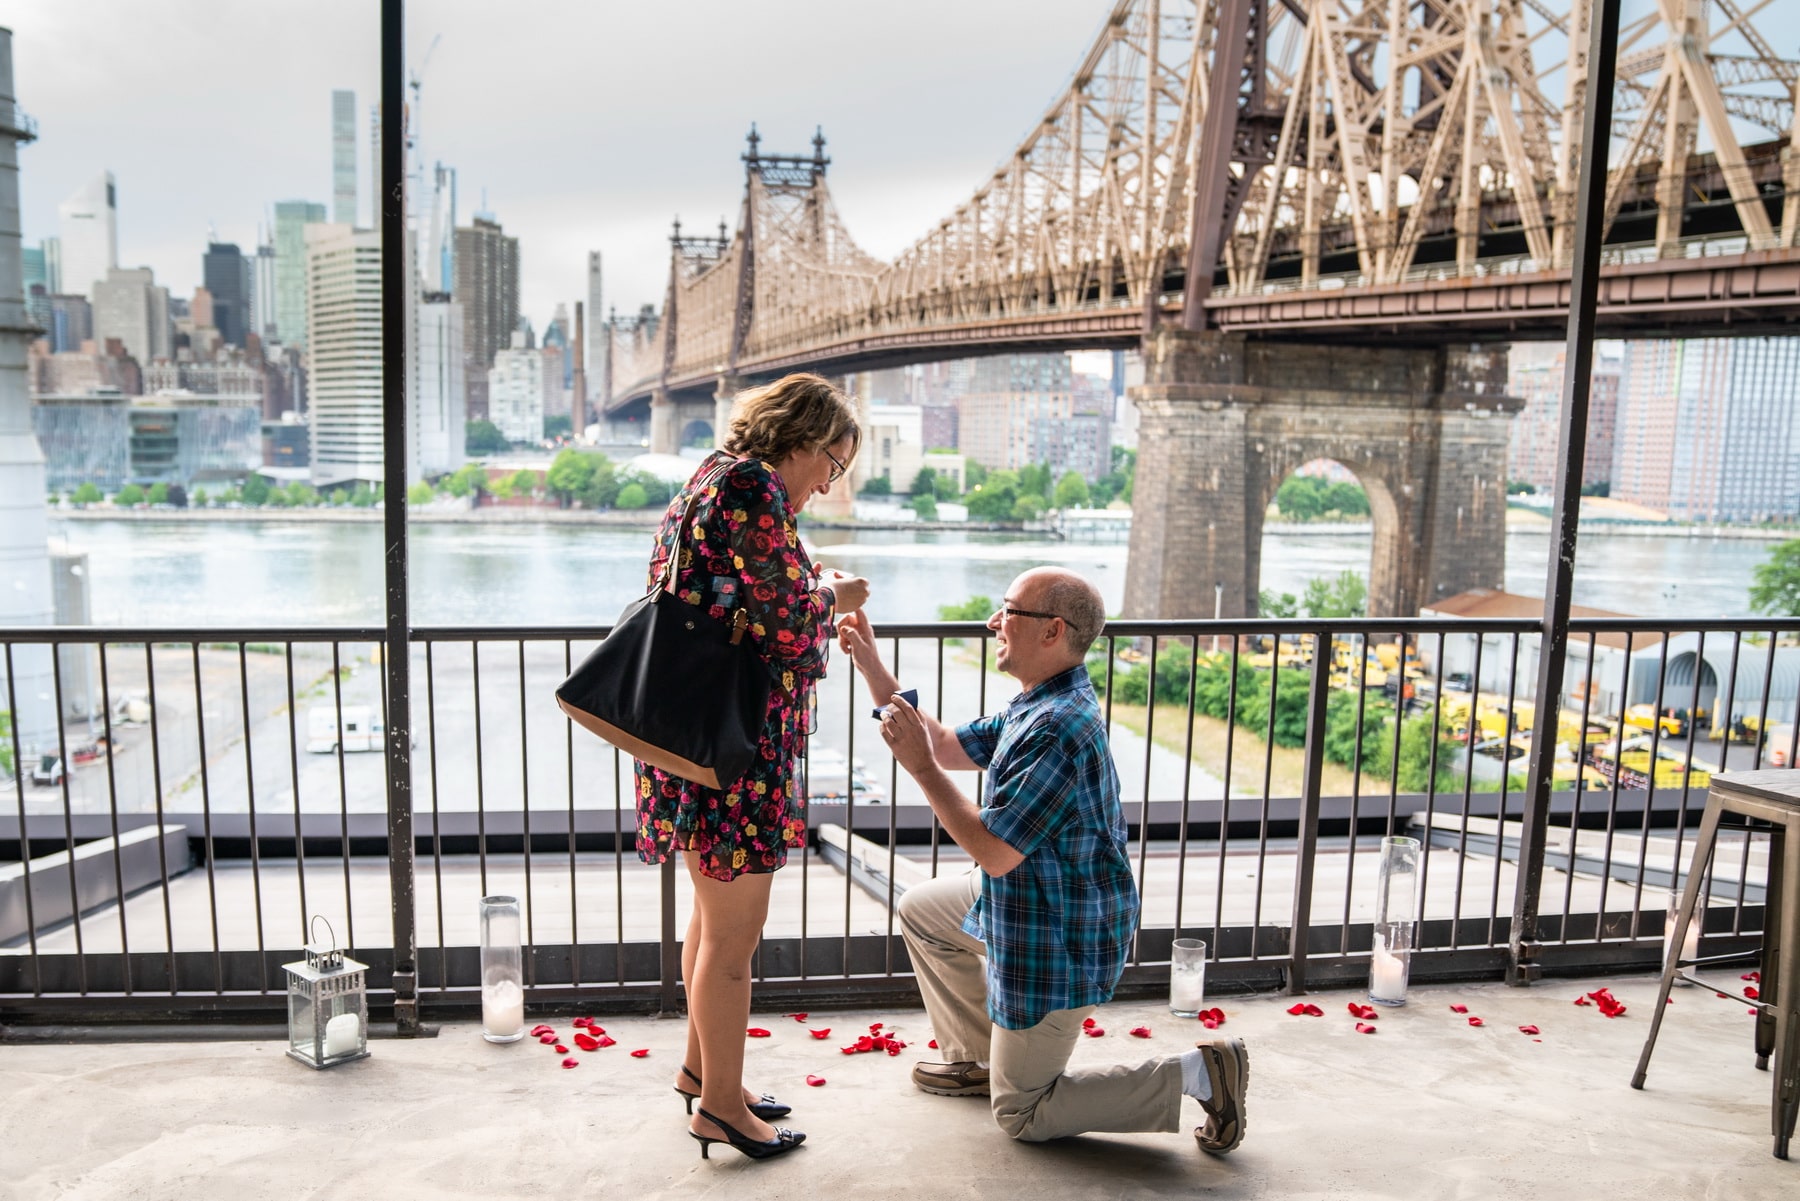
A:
(730, 919)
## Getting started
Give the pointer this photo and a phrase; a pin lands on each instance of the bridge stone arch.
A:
(1222, 421)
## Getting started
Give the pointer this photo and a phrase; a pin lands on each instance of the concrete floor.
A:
(1428, 1108)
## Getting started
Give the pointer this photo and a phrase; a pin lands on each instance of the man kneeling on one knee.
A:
(1013, 956)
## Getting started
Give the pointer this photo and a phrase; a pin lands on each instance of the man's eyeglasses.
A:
(837, 468)
(1009, 611)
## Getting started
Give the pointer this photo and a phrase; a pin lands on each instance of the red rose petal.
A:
(848, 1050)
(607, 1041)
(571, 1062)
(1474, 1021)
(1297, 1008)
(1721, 996)
(540, 1030)
(1583, 1001)
(582, 1022)
(865, 1043)
(1313, 1011)
(1088, 1023)
(824, 1033)
(1365, 1012)
(1364, 1028)
(875, 1029)
(1752, 976)
(815, 1081)
(1462, 1008)
(641, 1053)
(1753, 1012)
(548, 1040)
(756, 1032)
(561, 1050)
(1140, 1032)
(1095, 1031)
(932, 1044)
(587, 1042)
(798, 1017)
(1529, 1030)
(1210, 1023)
(1217, 1017)
(1753, 994)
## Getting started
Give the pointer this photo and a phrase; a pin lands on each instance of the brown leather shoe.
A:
(1228, 1071)
(951, 1079)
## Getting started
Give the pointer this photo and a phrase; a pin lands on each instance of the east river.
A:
(330, 573)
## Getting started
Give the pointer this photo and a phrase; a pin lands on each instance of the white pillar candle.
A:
(1690, 943)
(343, 1034)
(1187, 989)
(502, 1011)
(1387, 976)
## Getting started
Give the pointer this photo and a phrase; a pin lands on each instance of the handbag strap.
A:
(667, 583)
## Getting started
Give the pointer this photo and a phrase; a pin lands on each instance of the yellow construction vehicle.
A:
(1645, 717)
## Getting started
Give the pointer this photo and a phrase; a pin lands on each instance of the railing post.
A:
(1590, 208)
(1318, 694)
(396, 656)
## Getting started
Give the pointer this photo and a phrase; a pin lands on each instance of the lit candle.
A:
(502, 1011)
(343, 1035)
(1387, 976)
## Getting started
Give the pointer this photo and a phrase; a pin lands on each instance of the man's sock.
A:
(1194, 1080)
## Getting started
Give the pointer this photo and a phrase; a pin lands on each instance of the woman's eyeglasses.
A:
(837, 468)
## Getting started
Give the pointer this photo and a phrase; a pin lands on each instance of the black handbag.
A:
(672, 686)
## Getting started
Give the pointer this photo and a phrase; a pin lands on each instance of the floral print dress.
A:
(743, 550)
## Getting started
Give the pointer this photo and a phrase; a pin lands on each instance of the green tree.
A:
(1346, 596)
(6, 759)
(129, 496)
(944, 486)
(361, 496)
(200, 499)
(1277, 604)
(158, 494)
(483, 438)
(602, 488)
(469, 478)
(302, 495)
(1034, 480)
(1346, 500)
(1300, 499)
(974, 474)
(878, 486)
(570, 474)
(993, 498)
(1071, 492)
(420, 495)
(501, 487)
(278, 498)
(1775, 582)
(558, 427)
(1520, 488)
(87, 494)
(924, 482)
(632, 496)
(1028, 507)
(657, 491)
(256, 491)
(925, 505)
(524, 482)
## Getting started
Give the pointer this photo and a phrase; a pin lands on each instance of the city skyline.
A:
(909, 140)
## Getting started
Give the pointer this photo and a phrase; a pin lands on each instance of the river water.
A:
(330, 573)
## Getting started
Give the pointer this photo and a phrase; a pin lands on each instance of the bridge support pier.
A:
(1223, 421)
(724, 397)
(665, 424)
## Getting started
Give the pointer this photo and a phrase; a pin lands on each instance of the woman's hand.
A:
(856, 638)
(852, 591)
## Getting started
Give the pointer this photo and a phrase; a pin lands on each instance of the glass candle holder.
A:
(1396, 920)
(502, 974)
(1187, 977)
(1690, 944)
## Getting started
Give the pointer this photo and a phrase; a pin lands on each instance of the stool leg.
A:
(1703, 851)
(1787, 996)
(1769, 968)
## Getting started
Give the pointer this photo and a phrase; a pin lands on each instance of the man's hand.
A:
(856, 637)
(905, 733)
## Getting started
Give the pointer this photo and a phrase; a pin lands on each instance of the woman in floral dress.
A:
(789, 441)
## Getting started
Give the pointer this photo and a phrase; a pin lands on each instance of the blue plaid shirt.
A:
(1057, 927)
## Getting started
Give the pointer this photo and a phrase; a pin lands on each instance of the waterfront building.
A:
(226, 274)
(71, 322)
(231, 378)
(131, 306)
(285, 444)
(89, 221)
(344, 384)
(441, 412)
(519, 384)
(343, 158)
(291, 219)
(109, 439)
(487, 287)
(892, 445)
(1025, 409)
(78, 372)
(1535, 375)
(1707, 429)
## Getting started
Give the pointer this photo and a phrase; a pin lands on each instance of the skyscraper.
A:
(291, 219)
(226, 275)
(343, 158)
(487, 287)
(90, 234)
(519, 385)
(599, 340)
(262, 292)
(1535, 375)
(131, 306)
(440, 413)
(343, 275)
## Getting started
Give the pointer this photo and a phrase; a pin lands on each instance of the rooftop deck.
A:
(1429, 1108)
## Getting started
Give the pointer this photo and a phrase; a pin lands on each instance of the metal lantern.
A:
(328, 1006)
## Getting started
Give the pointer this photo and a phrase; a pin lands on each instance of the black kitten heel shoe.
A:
(768, 1109)
(783, 1142)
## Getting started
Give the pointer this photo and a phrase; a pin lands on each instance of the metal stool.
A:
(1772, 797)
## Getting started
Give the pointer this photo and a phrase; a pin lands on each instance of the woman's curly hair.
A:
(796, 412)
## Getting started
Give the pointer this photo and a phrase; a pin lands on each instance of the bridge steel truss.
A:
(1388, 152)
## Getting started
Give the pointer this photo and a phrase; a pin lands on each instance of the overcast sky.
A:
(588, 124)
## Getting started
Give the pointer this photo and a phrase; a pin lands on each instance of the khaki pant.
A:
(1034, 1097)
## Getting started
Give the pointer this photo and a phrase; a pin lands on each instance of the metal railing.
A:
(216, 794)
